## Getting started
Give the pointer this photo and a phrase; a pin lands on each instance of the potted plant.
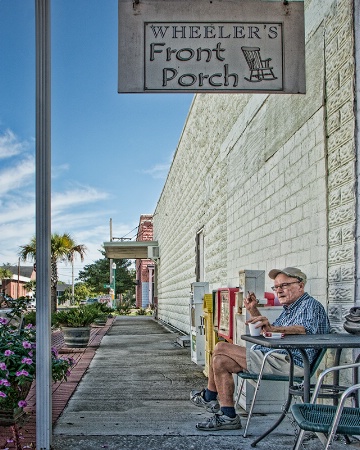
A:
(75, 324)
(18, 364)
(103, 313)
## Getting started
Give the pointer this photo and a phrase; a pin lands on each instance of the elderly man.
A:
(301, 314)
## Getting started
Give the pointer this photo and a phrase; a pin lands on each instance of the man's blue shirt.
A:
(307, 312)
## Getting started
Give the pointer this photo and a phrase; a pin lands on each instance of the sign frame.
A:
(209, 46)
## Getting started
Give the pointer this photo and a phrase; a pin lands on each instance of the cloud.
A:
(81, 210)
(10, 145)
(159, 171)
(18, 176)
(78, 196)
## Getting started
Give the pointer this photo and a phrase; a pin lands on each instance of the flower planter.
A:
(100, 321)
(9, 417)
(76, 337)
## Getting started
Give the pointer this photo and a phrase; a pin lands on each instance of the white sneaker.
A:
(220, 422)
(197, 399)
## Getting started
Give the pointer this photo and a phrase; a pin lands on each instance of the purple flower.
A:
(5, 383)
(31, 353)
(29, 326)
(28, 361)
(8, 353)
(3, 321)
(2, 394)
(2, 366)
(22, 403)
(26, 344)
(22, 372)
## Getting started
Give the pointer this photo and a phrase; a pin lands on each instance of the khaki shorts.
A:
(276, 363)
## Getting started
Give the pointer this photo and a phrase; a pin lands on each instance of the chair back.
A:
(252, 56)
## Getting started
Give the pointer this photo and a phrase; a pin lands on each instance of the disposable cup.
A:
(255, 331)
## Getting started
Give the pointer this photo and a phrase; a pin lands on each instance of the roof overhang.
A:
(128, 249)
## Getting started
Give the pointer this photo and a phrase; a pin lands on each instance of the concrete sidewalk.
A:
(135, 395)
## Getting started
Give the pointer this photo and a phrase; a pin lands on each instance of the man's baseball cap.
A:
(290, 272)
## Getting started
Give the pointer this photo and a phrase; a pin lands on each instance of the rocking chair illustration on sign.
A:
(259, 68)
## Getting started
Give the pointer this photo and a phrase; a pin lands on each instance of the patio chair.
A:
(259, 68)
(256, 378)
(329, 419)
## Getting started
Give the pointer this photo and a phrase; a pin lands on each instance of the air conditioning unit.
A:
(153, 252)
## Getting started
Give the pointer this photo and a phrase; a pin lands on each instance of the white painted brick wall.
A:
(252, 171)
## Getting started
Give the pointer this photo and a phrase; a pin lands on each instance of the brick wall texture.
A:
(270, 179)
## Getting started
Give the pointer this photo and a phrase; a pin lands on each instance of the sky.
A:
(110, 152)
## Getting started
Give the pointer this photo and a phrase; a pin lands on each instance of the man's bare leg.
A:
(227, 359)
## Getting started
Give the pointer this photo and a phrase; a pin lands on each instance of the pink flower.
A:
(22, 372)
(5, 383)
(2, 366)
(3, 321)
(2, 394)
(8, 353)
(28, 361)
(26, 344)
(22, 403)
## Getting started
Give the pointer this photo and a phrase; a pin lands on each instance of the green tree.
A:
(96, 275)
(5, 272)
(63, 249)
(81, 292)
(30, 286)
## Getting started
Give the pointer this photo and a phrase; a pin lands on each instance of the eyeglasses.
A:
(283, 285)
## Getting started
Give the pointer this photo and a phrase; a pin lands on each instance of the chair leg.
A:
(238, 393)
(299, 439)
(252, 406)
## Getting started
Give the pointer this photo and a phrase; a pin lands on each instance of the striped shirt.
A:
(307, 312)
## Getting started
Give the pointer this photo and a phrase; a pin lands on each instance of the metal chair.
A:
(258, 377)
(329, 419)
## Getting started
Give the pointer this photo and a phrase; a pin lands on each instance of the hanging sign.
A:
(211, 46)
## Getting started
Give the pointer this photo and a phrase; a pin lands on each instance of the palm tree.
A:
(63, 248)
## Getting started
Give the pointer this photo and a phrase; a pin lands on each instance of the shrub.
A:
(124, 308)
(18, 358)
(81, 316)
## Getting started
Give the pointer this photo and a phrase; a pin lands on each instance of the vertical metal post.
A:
(43, 226)
(111, 261)
(114, 282)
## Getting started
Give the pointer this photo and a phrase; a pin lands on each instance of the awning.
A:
(128, 249)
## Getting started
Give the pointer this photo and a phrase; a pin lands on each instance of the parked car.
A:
(91, 301)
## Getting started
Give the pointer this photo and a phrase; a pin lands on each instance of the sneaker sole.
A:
(225, 427)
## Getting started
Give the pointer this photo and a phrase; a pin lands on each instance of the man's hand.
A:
(250, 301)
(265, 324)
(250, 304)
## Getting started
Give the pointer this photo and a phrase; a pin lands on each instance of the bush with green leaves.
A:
(30, 318)
(141, 312)
(103, 308)
(124, 308)
(18, 358)
(82, 316)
